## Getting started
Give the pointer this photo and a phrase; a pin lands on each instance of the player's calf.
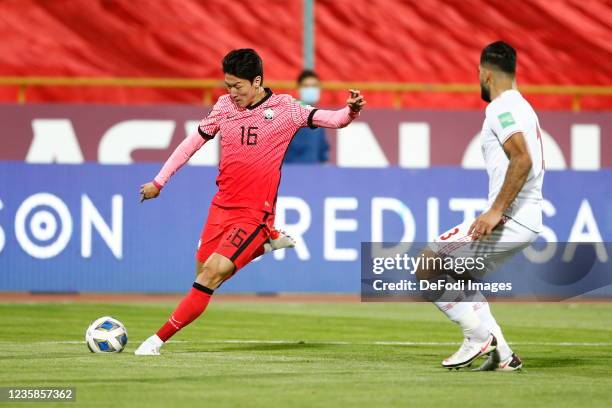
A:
(452, 302)
(211, 274)
(189, 309)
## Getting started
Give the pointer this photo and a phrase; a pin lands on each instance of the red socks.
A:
(192, 306)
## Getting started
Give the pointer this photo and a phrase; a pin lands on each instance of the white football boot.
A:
(279, 239)
(150, 347)
(493, 363)
(469, 351)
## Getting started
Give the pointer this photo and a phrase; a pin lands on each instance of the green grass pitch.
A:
(309, 355)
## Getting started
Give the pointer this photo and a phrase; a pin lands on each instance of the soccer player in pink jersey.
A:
(255, 126)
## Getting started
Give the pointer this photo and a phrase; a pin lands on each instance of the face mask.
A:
(310, 94)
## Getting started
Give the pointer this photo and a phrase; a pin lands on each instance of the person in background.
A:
(309, 145)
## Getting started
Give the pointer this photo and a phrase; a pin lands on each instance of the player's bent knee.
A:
(199, 268)
(212, 277)
(426, 269)
(214, 271)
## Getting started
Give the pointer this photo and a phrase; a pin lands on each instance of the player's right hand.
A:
(148, 191)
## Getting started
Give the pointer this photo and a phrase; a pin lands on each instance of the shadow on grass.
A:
(556, 361)
(263, 347)
(211, 378)
(44, 356)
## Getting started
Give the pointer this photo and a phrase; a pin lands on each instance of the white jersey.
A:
(508, 114)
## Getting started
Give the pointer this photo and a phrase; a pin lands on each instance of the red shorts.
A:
(236, 233)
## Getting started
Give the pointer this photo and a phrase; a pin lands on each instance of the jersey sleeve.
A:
(334, 119)
(503, 120)
(209, 126)
(302, 114)
(178, 158)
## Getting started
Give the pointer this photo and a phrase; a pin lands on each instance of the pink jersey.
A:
(253, 144)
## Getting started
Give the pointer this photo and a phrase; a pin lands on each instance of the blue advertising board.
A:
(82, 228)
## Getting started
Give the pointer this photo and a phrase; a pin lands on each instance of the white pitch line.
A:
(347, 343)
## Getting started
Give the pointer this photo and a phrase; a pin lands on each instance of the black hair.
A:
(500, 55)
(243, 63)
(307, 73)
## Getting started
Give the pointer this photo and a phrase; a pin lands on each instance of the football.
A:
(106, 335)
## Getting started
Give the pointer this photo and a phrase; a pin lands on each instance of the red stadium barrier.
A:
(562, 42)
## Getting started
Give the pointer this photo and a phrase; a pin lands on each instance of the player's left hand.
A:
(355, 100)
(484, 225)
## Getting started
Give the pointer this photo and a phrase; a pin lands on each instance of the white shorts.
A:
(507, 239)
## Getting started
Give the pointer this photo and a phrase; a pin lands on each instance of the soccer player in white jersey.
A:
(512, 149)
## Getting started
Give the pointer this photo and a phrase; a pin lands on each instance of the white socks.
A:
(462, 313)
(473, 314)
(483, 311)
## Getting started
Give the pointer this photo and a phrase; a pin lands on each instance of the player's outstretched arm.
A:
(340, 118)
(177, 159)
(518, 169)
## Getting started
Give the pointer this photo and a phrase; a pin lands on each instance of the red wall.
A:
(558, 42)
